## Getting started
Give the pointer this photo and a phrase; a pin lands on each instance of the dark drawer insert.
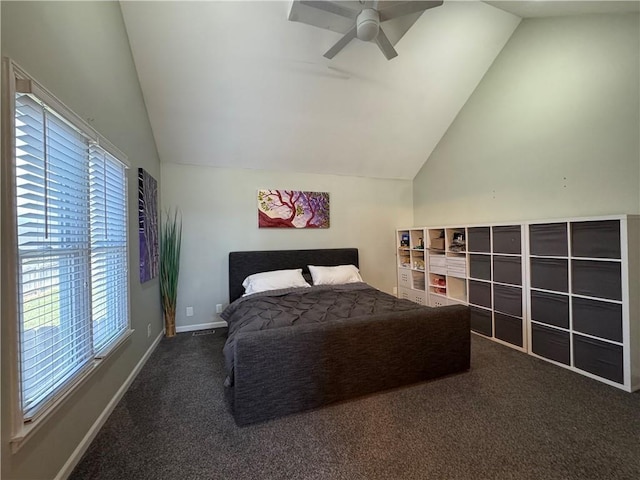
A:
(507, 300)
(508, 329)
(480, 293)
(600, 358)
(480, 266)
(507, 239)
(550, 343)
(507, 270)
(550, 308)
(479, 239)
(548, 239)
(600, 319)
(550, 274)
(594, 278)
(596, 239)
(481, 321)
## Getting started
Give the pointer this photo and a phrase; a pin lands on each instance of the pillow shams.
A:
(275, 280)
(335, 275)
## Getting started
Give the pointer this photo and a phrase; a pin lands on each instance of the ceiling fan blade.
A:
(350, 35)
(385, 45)
(405, 8)
(331, 7)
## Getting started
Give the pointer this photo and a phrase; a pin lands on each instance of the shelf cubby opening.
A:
(417, 259)
(457, 265)
(436, 239)
(456, 240)
(404, 259)
(438, 290)
(438, 263)
(418, 280)
(417, 239)
(457, 288)
(403, 239)
(436, 280)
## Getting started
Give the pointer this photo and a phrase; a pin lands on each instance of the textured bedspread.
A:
(299, 306)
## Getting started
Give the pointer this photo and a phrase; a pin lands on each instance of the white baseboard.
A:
(75, 457)
(201, 326)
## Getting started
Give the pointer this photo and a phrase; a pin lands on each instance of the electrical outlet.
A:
(148, 330)
(189, 311)
(219, 308)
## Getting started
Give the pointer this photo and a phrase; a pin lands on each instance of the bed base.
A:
(345, 359)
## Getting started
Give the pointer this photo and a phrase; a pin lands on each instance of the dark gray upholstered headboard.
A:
(243, 264)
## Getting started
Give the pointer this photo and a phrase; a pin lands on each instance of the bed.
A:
(279, 367)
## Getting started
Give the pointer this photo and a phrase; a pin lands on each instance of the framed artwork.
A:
(293, 209)
(148, 225)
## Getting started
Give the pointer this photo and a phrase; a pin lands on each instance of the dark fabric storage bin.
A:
(480, 266)
(479, 239)
(507, 270)
(596, 279)
(481, 321)
(600, 319)
(550, 308)
(548, 239)
(550, 343)
(480, 293)
(507, 300)
(600, 358)
(508, 329)
(597, 239)
(550, 274)
(507, 239)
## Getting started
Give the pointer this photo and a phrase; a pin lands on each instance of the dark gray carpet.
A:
(510, 417)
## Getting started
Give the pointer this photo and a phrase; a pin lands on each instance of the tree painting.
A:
(293, 209)
(148, 225)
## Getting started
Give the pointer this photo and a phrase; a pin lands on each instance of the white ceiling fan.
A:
(367, 20)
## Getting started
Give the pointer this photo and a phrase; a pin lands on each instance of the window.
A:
(69, 212)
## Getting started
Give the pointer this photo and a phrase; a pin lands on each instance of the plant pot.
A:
(170, 325)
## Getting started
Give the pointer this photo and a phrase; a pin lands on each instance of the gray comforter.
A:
(299, 306)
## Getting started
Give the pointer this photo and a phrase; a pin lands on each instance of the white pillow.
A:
(275, 280)
(335, 275)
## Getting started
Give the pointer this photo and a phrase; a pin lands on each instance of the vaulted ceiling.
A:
(236, 84)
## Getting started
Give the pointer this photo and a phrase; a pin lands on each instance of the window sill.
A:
(27, 430)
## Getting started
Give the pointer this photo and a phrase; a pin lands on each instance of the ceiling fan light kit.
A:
(368, 25)
(367, 21)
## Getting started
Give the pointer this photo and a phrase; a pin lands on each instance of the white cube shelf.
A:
(564, 290)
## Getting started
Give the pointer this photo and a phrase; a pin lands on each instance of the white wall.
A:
(79, 51)
(266, 99)
(219, 208)
(551, 131)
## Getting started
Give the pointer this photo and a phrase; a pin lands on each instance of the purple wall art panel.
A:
(148, 225)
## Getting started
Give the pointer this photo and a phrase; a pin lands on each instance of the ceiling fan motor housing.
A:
(368, 24)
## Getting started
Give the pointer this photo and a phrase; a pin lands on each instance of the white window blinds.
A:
(72, 251)
(108, 247)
